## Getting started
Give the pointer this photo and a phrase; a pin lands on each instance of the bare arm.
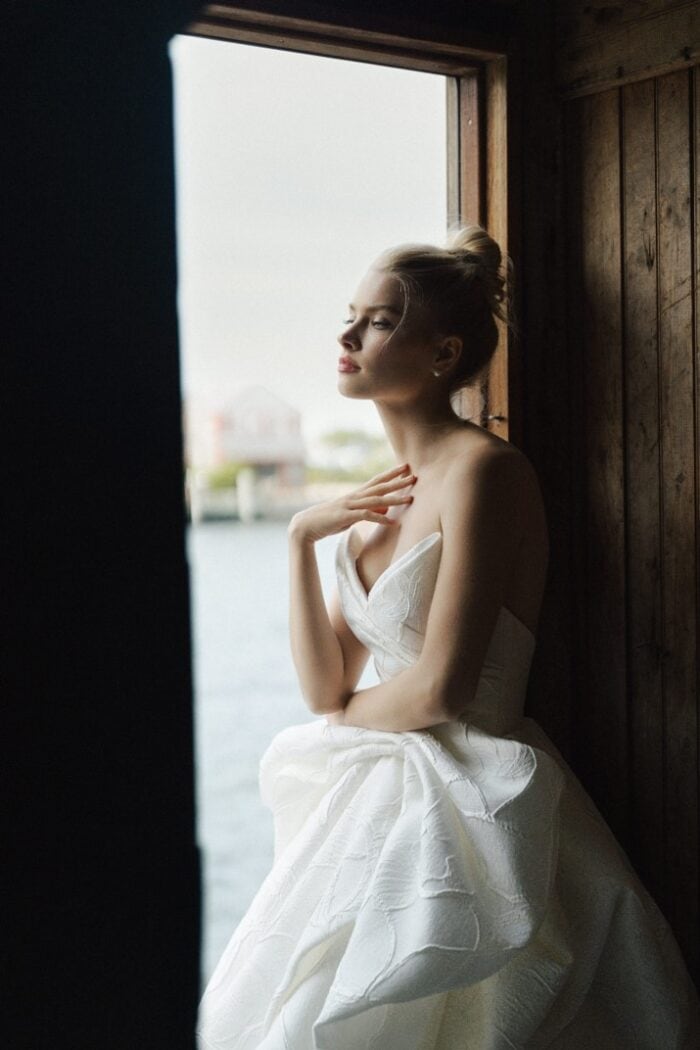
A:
(482, 526)
(327, 656)
(316, 649)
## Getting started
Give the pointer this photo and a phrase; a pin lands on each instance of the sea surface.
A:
(246, 690)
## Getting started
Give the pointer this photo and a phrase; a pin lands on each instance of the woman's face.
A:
(392, 362)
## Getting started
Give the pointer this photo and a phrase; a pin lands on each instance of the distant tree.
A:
(225, 476)
(360, 455)
(353, 438)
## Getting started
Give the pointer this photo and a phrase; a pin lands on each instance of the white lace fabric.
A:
(452, 888)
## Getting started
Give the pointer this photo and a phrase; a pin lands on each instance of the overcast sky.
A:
(293, 173)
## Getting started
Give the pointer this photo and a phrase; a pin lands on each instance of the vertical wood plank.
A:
(642, 473)
(545, 347)
(471, 148)
(497, 225)
(602, 724)
(452, 136)
(576, 353)
(467, 110)
(514, 426)
(678, 494)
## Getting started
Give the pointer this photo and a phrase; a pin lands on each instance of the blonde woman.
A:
(441, 880)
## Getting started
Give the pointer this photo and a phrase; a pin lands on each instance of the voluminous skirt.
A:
(443, 889)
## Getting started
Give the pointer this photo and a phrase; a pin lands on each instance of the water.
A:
(246, 690)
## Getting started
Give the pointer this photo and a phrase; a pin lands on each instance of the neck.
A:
(416, 431)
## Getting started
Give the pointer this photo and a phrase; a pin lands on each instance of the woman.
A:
(441, 880)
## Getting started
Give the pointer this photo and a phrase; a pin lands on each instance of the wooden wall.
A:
(629, 206)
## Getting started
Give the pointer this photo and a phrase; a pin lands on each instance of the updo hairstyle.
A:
(464, 289)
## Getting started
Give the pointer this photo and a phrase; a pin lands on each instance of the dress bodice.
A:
(391, 620)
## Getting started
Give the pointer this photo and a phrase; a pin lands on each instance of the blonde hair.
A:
(464, 287)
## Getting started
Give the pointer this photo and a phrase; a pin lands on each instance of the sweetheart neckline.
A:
(424, 542)
(398, 561)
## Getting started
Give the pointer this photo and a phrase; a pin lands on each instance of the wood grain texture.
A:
(604, 44)
(601, 720)
(583, 19)
(381, 32)
(679, 522)
(632, 208)
(468, 195)
(472, 159)
(497, 224)
(642, 473)
(548, 422)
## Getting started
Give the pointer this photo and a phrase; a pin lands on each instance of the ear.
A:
(447, 354)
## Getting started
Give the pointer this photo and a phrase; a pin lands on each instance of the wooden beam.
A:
(350, 36)
(604, 45)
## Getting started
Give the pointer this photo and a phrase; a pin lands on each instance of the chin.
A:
(346, 390)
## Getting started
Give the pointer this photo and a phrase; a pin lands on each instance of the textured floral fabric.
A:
(452, 888)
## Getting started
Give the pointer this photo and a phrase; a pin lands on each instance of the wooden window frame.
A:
(478, 182)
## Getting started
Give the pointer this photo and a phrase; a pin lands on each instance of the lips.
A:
(346, 364)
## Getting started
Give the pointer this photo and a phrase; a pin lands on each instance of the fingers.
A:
(373, 501)
(382, 519)
(392, 472)
(389, 486)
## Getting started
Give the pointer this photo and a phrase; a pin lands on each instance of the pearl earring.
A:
(435, 372)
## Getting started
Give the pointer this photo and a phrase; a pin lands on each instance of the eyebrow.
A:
(380, 306)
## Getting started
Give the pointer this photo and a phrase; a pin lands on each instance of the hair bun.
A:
(474, 247)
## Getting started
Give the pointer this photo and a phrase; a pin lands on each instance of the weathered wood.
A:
(603, 44)
(468, 194)
(516, 95)
(678, 469)
(452, 122)
(642, 473)
(496, 213)
(471, 148)
(581, 19)
(384, 33)
(546, 347)
(465, 149)
(601, 720)
(640, 553)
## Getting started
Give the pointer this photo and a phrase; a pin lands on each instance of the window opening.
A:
(293, 171)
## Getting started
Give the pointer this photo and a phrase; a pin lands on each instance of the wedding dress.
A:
(450, 888)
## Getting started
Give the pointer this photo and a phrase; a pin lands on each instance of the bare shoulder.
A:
(490, 481)
(481, 457)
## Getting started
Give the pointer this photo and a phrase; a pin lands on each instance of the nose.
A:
(348, 339)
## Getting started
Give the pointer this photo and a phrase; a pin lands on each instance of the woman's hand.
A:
(370, 502)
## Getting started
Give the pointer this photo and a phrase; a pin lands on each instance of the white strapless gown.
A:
(450, 888)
